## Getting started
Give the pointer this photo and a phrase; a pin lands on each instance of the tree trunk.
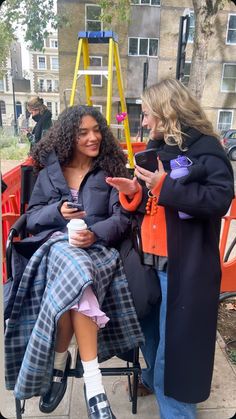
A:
(205, 12)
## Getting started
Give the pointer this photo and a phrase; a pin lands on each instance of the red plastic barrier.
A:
(11, 204)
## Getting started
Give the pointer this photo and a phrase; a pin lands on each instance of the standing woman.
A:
(42, 116)
(185, 252)
(69, 289)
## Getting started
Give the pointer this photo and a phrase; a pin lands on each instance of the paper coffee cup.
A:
(75, 225)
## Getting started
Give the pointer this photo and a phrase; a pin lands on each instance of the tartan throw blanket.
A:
(53, 281)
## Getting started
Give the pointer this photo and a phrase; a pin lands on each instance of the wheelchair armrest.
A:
(17, 228)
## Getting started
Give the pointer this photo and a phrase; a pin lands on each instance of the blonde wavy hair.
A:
(173, 105)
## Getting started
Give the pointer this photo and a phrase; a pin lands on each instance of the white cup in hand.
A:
(75, 225)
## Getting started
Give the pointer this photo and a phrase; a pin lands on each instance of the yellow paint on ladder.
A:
(113, 56)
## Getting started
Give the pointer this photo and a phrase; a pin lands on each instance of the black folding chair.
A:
(131, 368)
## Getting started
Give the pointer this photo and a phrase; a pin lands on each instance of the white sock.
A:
(60, 360)
(92, 378)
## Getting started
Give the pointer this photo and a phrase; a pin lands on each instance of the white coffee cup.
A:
(75, 225)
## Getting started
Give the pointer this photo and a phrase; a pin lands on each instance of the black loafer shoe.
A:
(54, 395)
(98, 407)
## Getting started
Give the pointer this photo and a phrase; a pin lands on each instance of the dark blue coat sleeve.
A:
(206, 191)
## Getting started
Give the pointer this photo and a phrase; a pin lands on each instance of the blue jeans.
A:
(153, 352)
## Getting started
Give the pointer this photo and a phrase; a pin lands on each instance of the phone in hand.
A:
(147, 159)
(78, 207)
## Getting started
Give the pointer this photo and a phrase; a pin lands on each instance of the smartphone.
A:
(78, 207)
(147, 159)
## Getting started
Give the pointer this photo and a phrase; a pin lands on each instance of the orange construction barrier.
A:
(136, 147)
(228, 281)
(11, 204)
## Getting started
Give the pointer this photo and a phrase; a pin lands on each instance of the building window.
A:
(99, 107)
(56, 109)
(3, 107)
(146, 2)
(56, 86)
(96, 79)
(92, 18)
(143, 46)
(49, 85)
(41, 63)
(53, 43)
(41, 85)
(187, 67)
(228, 83)
(191, 27)
(49, 106)
(225, 119)
(231, 31)
(54, 63)
(1, 85)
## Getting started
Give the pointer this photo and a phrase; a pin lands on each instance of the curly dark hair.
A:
(62, 136)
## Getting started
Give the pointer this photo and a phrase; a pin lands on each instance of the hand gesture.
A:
(71, 213)
(150, 178)
(127, 186)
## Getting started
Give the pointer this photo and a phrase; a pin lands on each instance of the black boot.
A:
(98, 407)
(54, 395)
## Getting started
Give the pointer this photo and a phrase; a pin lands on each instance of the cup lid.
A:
(77, 223)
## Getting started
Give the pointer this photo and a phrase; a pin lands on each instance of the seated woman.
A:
(72, 289)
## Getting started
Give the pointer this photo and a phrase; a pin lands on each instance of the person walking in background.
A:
(42, 116)
(180, 337)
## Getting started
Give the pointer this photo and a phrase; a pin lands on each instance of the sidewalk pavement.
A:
(220, 405)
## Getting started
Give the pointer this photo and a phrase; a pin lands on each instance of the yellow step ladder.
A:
(111, 38)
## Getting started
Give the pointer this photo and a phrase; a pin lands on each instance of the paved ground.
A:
(221, 404)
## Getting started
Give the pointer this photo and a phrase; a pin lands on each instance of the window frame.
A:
(143, 4)
(90, 20)
(45, 61)
(51, 60)
(222, 73)
(93, 84)
(49, 85)
(148, 47)
(49, 106)
(39, 85)
(3, 107)
(51, 41)
(227, 32)
(99, 107)
(188, 75)
(190, 41)
(3, 84)
(218, 118)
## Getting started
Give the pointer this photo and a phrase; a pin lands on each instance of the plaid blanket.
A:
(54, 281)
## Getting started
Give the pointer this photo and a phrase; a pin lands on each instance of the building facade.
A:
(42, 80)
(14, 88)
(148, 44)
(44, 74)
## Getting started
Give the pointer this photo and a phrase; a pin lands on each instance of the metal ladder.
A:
(110, 38)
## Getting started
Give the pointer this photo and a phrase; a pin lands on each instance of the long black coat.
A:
(44, 123)
(194, 272)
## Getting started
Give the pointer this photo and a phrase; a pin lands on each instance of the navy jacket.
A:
(105, 217)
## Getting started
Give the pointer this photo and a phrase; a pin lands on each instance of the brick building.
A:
(151, 36)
